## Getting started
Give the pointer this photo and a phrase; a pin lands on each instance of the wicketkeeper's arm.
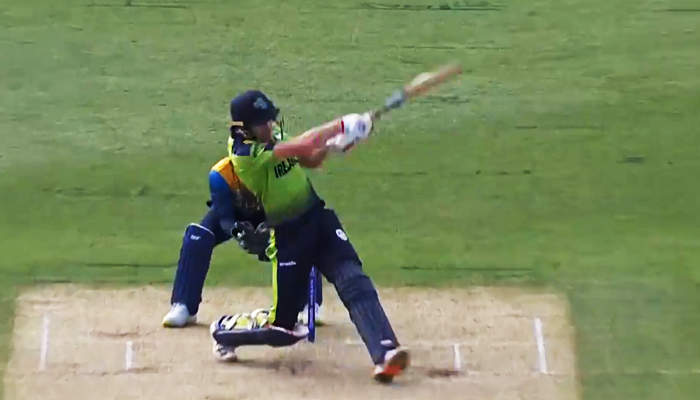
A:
(222, 200)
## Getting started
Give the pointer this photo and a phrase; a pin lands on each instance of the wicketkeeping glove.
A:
(252, 240)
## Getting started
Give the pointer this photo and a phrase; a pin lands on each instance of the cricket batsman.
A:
(303, 233)
(234, 212)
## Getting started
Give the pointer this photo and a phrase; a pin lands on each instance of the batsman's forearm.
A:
(315, 159)
(319, 135)
(306, 144)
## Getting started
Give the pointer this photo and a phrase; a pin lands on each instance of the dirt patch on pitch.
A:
(95, 335)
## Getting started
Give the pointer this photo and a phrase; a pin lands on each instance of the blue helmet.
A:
(252, 108)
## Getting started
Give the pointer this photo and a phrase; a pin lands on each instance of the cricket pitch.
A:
(74, 343)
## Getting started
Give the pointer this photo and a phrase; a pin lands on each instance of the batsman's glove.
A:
(252, 240)
(356, 127)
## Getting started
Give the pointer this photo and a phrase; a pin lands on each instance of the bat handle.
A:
(396, 100)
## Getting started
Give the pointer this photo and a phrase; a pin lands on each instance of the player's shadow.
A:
(200, 325)
(291, 366)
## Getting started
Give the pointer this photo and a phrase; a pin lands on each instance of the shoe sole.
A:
(393, 367)
(227, 359)
(170, 324)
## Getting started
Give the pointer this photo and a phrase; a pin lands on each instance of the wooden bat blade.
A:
(428, 80)
(417, 87)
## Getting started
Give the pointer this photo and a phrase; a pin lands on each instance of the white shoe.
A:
(303, 317)
(178, 317)
(395, 361)
(221, 352)
(224, 353)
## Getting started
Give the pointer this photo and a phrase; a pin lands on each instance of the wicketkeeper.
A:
(303, 233)
(234, 212)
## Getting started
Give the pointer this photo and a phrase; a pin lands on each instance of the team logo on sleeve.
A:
(341, 235)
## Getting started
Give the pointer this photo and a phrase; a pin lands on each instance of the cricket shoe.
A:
(221, 352)
(224, 353)
(303, 317)
(242, 321)
(395, 361)
(178, 317)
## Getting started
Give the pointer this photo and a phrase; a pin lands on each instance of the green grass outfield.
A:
(567, 156)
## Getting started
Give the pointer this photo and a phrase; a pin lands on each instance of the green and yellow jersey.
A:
(282, 185)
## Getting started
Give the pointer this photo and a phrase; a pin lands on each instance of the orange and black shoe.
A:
(395, 362)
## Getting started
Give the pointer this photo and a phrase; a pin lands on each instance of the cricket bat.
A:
(420, 85)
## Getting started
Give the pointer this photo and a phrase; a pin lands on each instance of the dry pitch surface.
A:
(75, 343)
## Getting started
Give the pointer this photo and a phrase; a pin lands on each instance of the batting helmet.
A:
(252, 108)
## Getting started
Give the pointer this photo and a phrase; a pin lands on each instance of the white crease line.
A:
(646, 372)
(129, 356)
(163, 367)
(44, 343)
(458, 358)
(447, 343)
(539, 337)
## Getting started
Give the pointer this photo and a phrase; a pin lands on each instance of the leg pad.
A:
(237, 330)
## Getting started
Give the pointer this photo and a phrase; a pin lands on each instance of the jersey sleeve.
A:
(223, 200)
(252, 162)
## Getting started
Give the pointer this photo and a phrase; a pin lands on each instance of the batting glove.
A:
(356, 127)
